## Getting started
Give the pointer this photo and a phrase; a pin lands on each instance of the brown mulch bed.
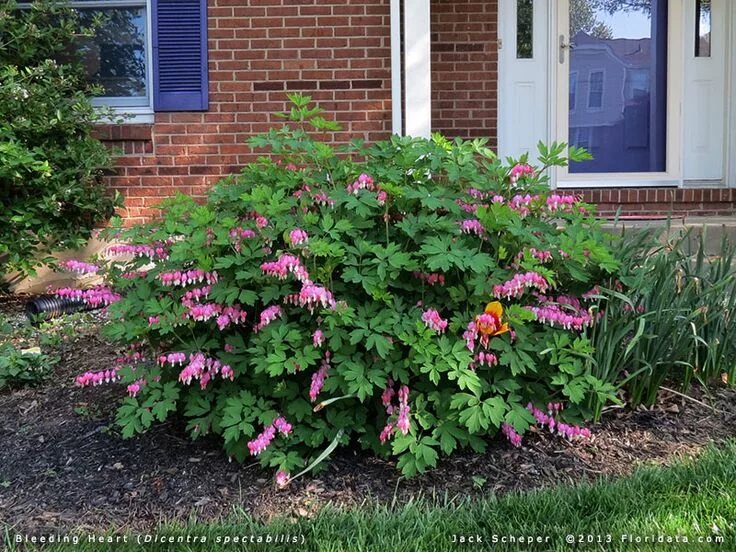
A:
(63, 466)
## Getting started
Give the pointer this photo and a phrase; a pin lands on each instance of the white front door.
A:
(523, 114)
(705, 104)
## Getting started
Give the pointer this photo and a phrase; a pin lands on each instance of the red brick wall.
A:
(337, 51)
(465, 67)
(662, 201)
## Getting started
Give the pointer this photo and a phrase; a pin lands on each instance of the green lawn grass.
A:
(691, 500)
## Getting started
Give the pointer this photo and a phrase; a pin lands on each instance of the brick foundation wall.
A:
(336, 51)
(464, 36)
(662, 201)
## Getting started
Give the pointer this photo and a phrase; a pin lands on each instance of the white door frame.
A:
(559, 88)
(730, 114)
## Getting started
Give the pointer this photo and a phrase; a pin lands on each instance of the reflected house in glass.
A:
(615, 117)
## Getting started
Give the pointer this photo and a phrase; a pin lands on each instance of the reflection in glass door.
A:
(618, 78)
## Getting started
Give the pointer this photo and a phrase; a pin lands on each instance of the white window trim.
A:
(129, 116)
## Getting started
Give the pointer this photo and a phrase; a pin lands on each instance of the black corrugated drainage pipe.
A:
(48, 306)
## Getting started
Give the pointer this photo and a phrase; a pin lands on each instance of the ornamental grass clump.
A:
(323, 297)
(667, 319)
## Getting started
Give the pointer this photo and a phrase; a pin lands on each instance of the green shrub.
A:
(319, 299)
(29, 352)
(23, 367)
(51, 196)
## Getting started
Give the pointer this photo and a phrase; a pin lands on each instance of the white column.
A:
(396, 127)
(417, 69)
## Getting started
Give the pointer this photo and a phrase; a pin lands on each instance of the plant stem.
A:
(688, 397)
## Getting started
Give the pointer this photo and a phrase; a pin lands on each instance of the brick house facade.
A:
(258, 51)
(340, 54)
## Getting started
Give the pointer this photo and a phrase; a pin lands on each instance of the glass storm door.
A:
(613, 58)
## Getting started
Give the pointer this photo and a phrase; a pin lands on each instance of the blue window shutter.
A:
(179, 55)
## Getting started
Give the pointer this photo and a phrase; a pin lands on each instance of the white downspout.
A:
(396, 123)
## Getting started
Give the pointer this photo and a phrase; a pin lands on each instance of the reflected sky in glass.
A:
(702, 32)
(627, 24)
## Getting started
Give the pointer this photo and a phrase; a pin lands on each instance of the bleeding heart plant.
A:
(324, 297)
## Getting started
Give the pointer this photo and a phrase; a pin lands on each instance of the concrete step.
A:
(713, 229)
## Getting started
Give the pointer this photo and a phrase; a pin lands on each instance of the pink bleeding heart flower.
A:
(79, 267)
(282, 479)
(434, 321)
(298, 237)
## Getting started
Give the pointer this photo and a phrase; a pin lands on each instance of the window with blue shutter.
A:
(179, 55)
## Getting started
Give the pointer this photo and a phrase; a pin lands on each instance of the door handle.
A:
(564, 45)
